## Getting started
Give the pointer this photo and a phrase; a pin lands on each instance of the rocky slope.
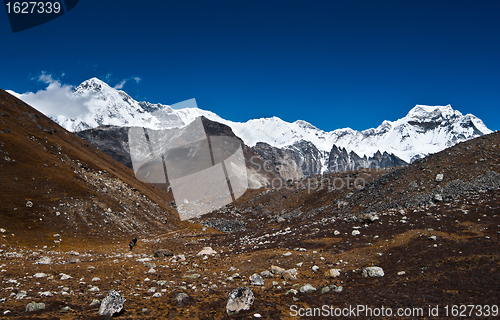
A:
(54, 182)
(371, 238)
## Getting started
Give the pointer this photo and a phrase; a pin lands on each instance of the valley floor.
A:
(442, 256)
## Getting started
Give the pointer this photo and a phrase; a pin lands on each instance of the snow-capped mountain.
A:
(424, 130)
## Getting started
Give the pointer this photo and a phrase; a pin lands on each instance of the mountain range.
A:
(424, 130)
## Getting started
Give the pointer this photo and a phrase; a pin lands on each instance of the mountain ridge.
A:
(424, 130)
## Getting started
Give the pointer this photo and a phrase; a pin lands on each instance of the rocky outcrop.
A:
(341, 160)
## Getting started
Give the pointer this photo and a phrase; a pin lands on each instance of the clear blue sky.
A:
(332, 63)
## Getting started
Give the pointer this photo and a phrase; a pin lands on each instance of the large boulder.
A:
(112, 304)
(372, 272)
(239, 299)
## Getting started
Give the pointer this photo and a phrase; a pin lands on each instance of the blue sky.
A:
(332, 63)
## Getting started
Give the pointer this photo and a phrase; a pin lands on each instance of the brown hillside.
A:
(54, 182)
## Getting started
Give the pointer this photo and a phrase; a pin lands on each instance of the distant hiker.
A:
(133, 243)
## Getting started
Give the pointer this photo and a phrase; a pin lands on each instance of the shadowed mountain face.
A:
(55, 182)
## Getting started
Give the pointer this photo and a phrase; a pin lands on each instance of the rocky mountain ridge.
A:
(424, 130)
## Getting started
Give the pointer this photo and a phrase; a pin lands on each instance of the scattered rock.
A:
(239, 299)
(372, 272)
(29, 204)
(401, 273)
(74, 260)
(277, 270)
(332, 273)
(65, 309)
(65, 276)
(438, 197)
(315, 268)
(439, 177)
(34, 306)
(44, 260)
(112, 304)
(160, 253)
(21, 295)
(207, 251)
(290, 274)
(45, 294)
(266, 274)
(40, 275)
(181, 299)
(292, 291)
(325, 289)
(307, 288)
(256, 280)
(370, 217)
(433, 238)
(193, 276)
(95, 302)
(355, 232)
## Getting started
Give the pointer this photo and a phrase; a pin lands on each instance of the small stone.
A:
(433, 238)
(29, 204)
(439, 177)
(307, 288)
(95, 302)
(290, 274)
(401, 273)
(96, 279)
(192, 276)
(34, 306)
(355, 232)
(338, 289)
(238, 300)
(181, 298)
(44, 260)
(277, 270)
(94, 289)
(291, 291)
(40, 275)
(315, 268)
(21, 295)
(65, 309)
(256, 280)
(207, 251)
(65, 276)
(438, 197)
(332, 273)
(286, 254)
(45, 294)
(336, 232)
(372, 272)
(325, 289)
(157, 295)
(266, 274)
(112, 304)
(160, 253)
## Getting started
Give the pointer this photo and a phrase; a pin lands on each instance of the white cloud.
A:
(56, 99)
(120, 85)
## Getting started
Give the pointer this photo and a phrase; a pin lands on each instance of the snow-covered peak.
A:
(424, 130)
(427, 113)
(93, 84)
